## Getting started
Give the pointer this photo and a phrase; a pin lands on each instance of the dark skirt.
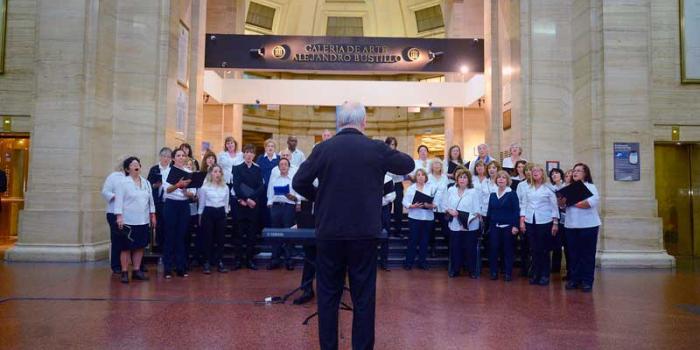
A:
(136, 239)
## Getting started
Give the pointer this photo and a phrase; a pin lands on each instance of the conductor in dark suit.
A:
(350, 168)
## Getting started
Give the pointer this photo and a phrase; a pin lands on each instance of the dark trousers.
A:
(398, 207)
(193, 230)
(115, 249)
(384, 243)
(212, 231)
(281, 216)
(462, 249)
(247, 233)
(525, 244)
(177, 221)
(559, 243)
(305, 219)
(440, 222)
(420, 233)
(357, 259)
(582, 244)
(160, 227)
(541, 243)
(501, 239)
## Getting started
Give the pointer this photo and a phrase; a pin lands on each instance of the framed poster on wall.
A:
(183, 54)
(3, 31)
(690, 41)
(181, 107)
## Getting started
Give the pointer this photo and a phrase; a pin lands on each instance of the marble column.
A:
(631, 233)
(492, 74)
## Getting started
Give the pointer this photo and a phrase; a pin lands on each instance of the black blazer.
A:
(350, 168)
(504, 211)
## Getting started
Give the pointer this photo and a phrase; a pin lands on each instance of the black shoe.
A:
(273, 265)
(452, 274)
(473, 276)
(236, 266)
(206, 269)
(586, 288)
(289, 266)
(304, 298)
(125, 277)
(544, 281)
(181, 273)
(251, 266)
(221, 268)
(533, 280)
(425, 267)
(508, 278)
(384, 267)
(116, 272)
(139, 276)
(571, 285)
(168, 275)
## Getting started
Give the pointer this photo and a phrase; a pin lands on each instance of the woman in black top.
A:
(504, 216)
(454, 161)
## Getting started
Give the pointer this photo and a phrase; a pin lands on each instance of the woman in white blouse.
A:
(176, 212)
(516, 153)
(439, 179)
(229, 158)
(556, 178)
(135, 209)
(109, 193)
(422, 162)
(463, 198)
(283, 203)
(213, 207)
(539, 217)
(420, 220)
(523, 242)
(582, 224)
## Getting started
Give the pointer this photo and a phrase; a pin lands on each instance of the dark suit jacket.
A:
(3, 181)
(350, 168)
(504, 211)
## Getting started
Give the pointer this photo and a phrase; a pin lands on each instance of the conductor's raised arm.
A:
(303, 180)
(397, 162)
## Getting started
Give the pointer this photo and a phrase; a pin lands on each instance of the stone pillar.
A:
(631, 233)
(492, 75)
(96, 101)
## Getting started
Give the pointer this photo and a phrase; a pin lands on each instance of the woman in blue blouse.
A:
(504, 215)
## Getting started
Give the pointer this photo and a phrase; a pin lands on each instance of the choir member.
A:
(420, 219)
(267, 162)
(135, 210)
(387, 199)
(556, 178)
(248, 186)
(397, 207)
(213, 208)
(539, 218)
(453, 162)
(188, 151)
(177, 219)
(155, 177)
(298, 156)
(422, 162)
(463, 205)
(582, 224)
(504, 215)
(483, 155)
(109, 193)
(516, 152)
(437, 177)
(208, 161)
(283, 205)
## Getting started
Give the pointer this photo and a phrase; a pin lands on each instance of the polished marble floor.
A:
(81, 306)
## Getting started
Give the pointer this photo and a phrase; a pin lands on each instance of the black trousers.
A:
(212, 231)
(398, 207)
(115, 249)
(160, 228)
(305, 219)
(357, 259)
(559, 242)
(247, 233)
(281, 216)
(384, 243)
(582, 244)
(541, 245)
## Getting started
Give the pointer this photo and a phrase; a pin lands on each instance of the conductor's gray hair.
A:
(350, 114)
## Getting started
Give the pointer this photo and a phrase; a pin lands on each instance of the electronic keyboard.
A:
(297, 235)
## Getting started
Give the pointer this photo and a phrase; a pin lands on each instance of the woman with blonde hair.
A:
(539, 217)
(213, 207)
(504, 215)
(437, 177)
(420, 219)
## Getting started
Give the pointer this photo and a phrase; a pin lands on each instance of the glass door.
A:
(14, 161)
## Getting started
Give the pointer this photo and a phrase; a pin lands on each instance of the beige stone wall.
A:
(17, 82)
(671, 102)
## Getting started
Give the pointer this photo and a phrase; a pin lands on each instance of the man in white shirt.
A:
(298, 156)
(484, 155)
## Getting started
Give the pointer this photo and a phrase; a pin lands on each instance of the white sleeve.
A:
(119, 200)
(271, 191)
(227, 205)
(388, 198)
(108, 189)
(408, 197)
(553, 204)
(202, 201)
(151, 202)
(594, 200)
